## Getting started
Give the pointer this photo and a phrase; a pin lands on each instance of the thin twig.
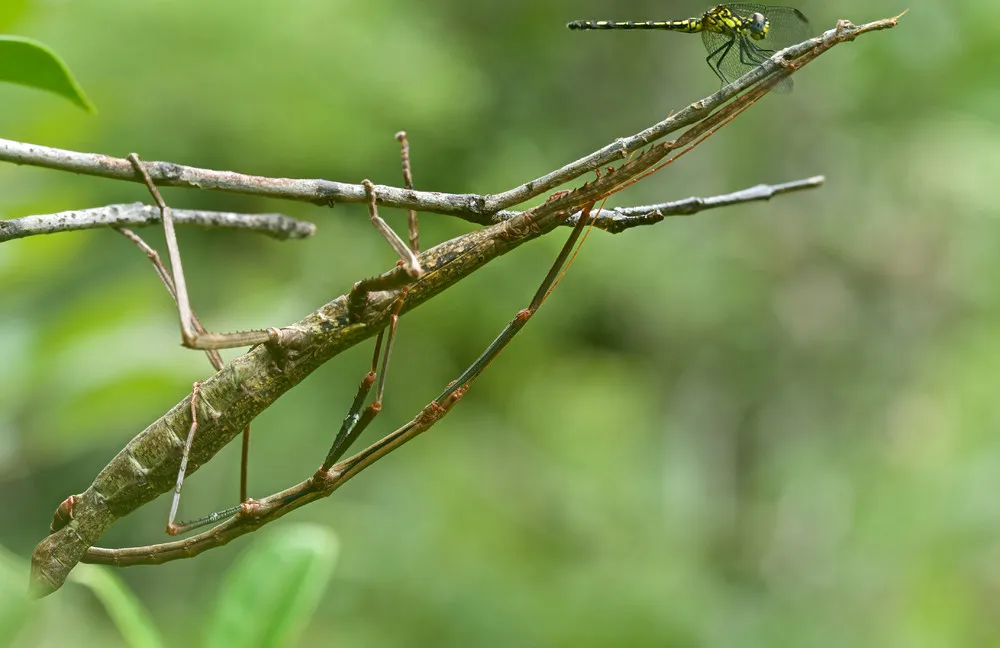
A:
(137, 214)
(618, 219)
(279, 226)
(168, 174)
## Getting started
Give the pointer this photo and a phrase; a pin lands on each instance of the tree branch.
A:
(137, 214)
(279, 226)
(230, 399)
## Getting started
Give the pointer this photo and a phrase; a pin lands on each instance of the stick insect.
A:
(281, 344)
(195, 336)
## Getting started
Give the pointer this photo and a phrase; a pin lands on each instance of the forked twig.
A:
(472, 207)
(251, 382)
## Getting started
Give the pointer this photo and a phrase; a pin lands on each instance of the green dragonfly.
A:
(738, 36)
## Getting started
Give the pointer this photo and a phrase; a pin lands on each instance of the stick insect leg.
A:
(411, 215)
(154, 257)
(213, 354)
(409, 260)
(193, 333)
(182, 527)
(191, 337)
(406, 270)
(172, 528)
(516, 324)
(440, 406)
(64, 513)
(355, 422)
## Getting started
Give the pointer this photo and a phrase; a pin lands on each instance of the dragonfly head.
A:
(759, 26)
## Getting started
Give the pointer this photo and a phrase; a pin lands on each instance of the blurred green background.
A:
(771, 425)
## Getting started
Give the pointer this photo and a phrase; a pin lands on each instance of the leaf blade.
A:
(27, 62)
(125, 610)
(270, 594)
(16, 610)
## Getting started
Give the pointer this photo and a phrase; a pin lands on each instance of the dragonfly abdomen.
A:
(690, 26)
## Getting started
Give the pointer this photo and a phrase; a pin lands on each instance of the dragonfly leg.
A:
(751, 55)
(722, 51)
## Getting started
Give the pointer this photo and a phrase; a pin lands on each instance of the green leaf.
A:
(269, 595)
(16, 609)
(128, 614)
(28, 62)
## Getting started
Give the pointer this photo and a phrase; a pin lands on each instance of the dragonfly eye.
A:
(758, 25)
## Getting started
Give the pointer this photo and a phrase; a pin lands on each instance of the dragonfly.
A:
(739, 36)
